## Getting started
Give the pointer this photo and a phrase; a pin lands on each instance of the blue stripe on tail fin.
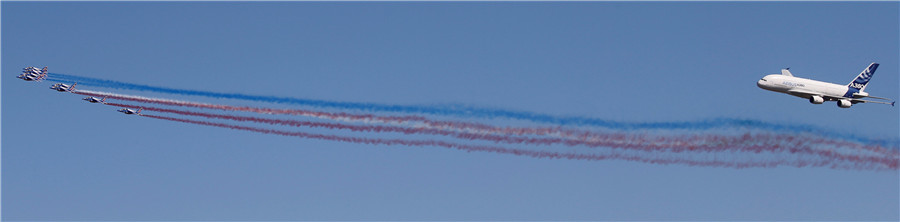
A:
(863, 78)
(859, 83)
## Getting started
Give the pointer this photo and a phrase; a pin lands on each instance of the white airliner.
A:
(818, 92)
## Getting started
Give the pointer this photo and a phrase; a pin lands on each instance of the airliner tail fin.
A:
(863, 78)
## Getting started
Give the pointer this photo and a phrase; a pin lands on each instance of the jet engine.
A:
(844, 103)
(860, 94)
(816, 100)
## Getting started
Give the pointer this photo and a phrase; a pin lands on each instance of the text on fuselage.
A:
(791, 84)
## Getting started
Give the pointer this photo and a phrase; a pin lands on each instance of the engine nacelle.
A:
(860, 94)
(816, 100)
(844, 103)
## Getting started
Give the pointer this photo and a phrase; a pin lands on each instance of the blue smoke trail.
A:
(465, 111)
(59, 80)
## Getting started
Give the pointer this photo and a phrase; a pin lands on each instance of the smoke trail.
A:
(464, 111)
(584, 135)
(744, 143)
(476, 127)
(472, 127)
(522, 152)
(614, 140)
(58, 80)
(327, 115)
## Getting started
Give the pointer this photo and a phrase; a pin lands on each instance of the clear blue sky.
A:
(65, 159)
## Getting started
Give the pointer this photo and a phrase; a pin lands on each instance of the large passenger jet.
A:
(818, 92)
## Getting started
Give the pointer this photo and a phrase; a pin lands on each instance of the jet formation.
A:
(35, 74)
(818, 92)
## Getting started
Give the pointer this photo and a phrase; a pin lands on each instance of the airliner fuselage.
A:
(782, 84)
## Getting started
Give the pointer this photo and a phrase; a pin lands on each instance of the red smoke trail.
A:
(637, 143)
(593, 136)
(335, 116)
(338, 116)
(574, 137)
(518, 152)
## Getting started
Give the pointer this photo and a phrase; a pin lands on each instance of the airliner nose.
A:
(762, 83)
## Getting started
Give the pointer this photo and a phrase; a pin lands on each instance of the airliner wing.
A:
(869, 101)
(875, 97)
(807, 94)
(855, 101)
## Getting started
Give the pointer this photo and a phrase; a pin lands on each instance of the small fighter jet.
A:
(30, 77)
(63, 87)
(94, 100)
(130, 111)
(33, 74)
